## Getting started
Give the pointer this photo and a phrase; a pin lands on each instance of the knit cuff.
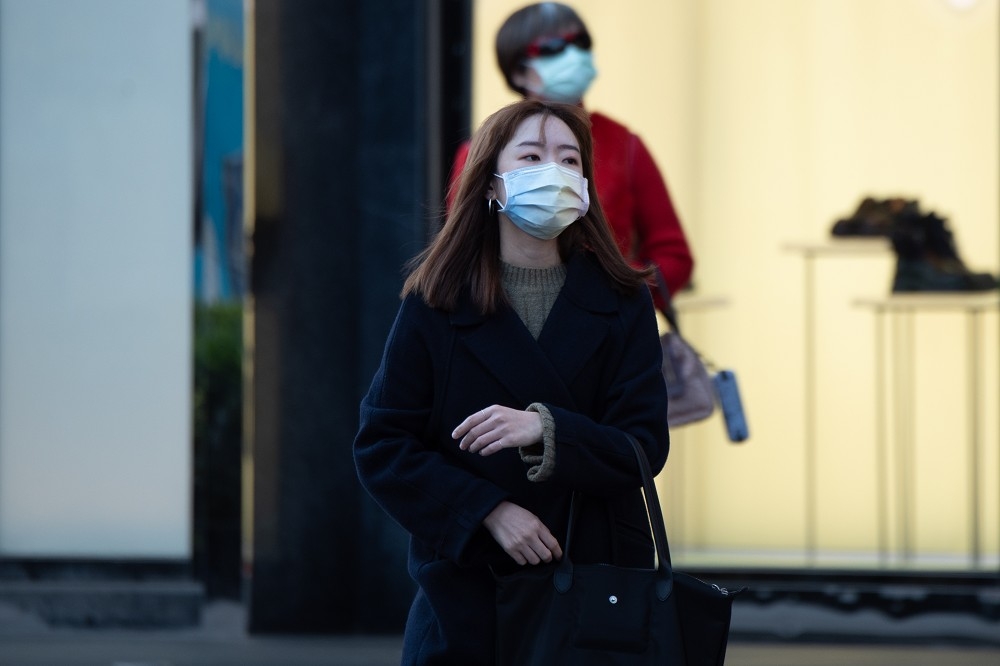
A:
(541, 457)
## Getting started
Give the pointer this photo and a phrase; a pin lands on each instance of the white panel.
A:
(95, 223)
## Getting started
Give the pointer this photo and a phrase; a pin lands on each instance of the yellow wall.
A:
(770, 119)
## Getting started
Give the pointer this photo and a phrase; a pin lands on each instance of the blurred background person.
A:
(545, 52)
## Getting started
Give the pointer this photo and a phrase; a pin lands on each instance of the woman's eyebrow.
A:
(540, 144)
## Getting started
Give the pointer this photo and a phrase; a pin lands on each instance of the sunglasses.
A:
(550, 46)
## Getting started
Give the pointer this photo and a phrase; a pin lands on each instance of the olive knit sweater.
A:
(532, 292)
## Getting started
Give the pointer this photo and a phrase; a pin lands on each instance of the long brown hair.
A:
(465, 253)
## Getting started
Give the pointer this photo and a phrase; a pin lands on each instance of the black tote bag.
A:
(563, 614)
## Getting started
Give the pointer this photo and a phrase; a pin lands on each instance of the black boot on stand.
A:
(874, 217)
(944, 255)
(927, 259)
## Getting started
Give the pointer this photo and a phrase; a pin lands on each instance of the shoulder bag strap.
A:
(655, 513)
(669, 311)
(563, 575)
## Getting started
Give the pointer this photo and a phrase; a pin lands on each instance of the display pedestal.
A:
(901, 308)
(853, 248)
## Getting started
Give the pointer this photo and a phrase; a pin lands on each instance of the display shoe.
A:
(944, 255)
(874, 217)
(927, 259)
(921, 275)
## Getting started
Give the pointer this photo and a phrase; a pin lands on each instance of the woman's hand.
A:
(494, 428)
(521, 534)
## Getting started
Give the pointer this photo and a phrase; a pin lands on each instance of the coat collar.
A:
(575, 328)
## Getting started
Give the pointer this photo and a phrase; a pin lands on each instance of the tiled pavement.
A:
(221, 641)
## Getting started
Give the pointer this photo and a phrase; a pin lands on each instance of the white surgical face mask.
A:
(566, 75)
(543, 200)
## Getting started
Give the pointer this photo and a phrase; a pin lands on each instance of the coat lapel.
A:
(543, 370)
(578, 323)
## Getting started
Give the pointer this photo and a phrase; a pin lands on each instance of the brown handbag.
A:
(690, 392)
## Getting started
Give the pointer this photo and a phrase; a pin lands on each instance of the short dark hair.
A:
(526, 25)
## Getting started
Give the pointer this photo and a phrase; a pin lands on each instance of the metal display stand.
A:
(848, 247)
(903, 307)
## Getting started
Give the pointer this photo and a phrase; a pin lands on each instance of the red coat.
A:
(635, 200)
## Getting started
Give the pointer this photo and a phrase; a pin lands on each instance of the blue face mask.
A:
(543, 200)
(565, 76)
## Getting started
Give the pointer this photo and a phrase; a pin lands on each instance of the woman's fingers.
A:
(466, 426)
(551, 545)
(495, 428)
(522, 535)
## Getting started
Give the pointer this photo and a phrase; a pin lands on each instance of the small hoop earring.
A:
(489, 205)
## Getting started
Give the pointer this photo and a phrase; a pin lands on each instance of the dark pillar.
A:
(346, 187)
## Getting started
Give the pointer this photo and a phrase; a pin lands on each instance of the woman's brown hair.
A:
(465, 253)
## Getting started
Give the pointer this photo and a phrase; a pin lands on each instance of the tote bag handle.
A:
(563, 576)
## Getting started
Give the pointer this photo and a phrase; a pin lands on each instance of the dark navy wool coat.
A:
(596, 366)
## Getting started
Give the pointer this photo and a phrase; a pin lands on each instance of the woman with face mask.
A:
(524, 354)
(546, 52)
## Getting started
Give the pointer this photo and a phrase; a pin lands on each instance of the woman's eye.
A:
(571, 161)
(531, 158)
